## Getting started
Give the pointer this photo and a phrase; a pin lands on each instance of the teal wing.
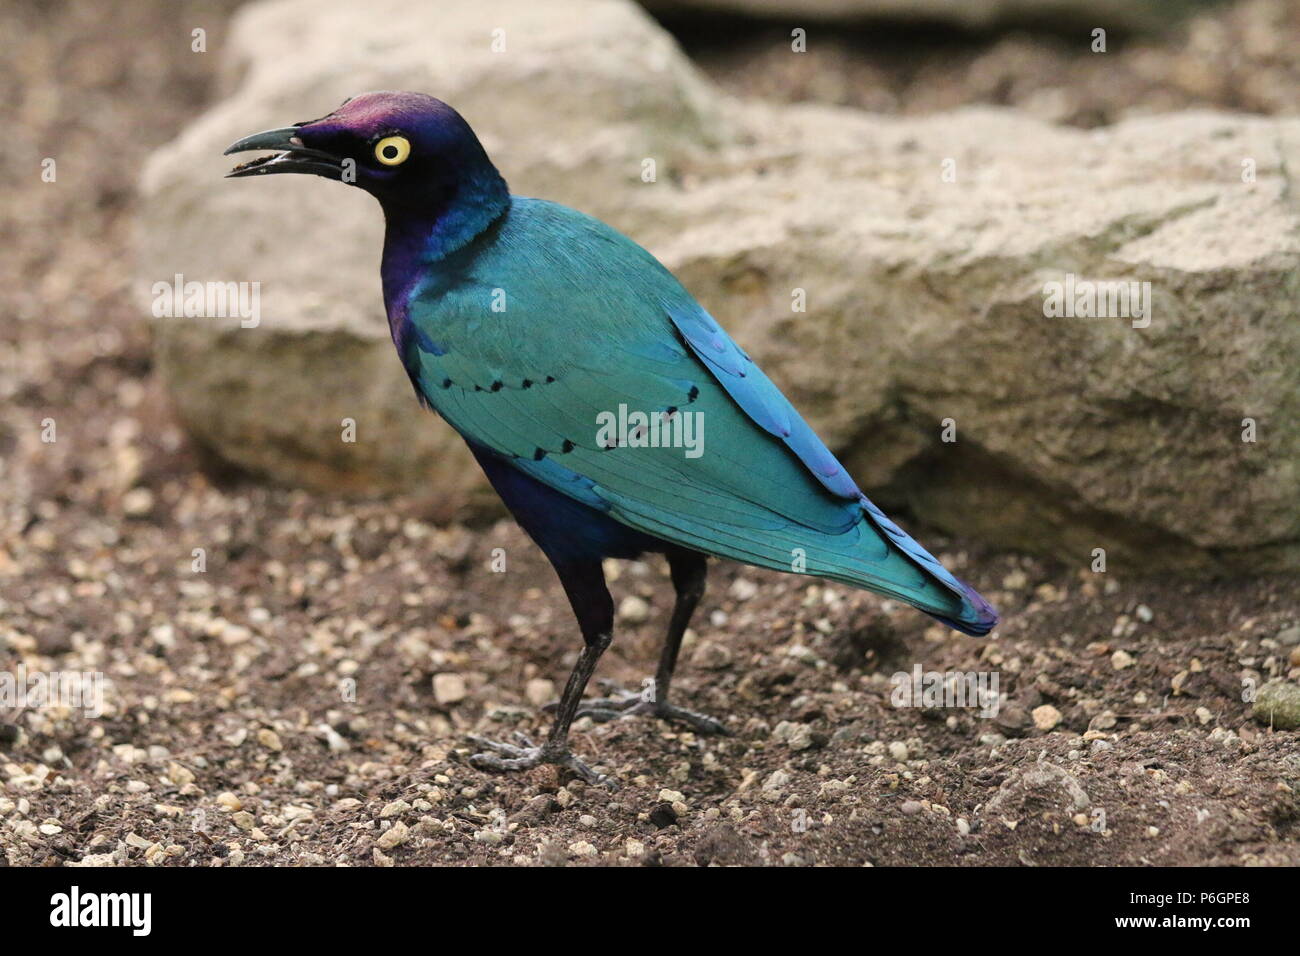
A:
(531, 343)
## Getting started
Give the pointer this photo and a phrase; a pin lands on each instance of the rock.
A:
(711, 656)
(449, 689)
(1017, 580)
(1289, 635)
(794, 735)
(1278, 705)
(333, 739)
(1119, 15)
(633, 610)
(1121, 660)
(1103, 721)
(911, 808)
(1012, 718)
(137, 502)
(926, 300)
(742, 589)
(540, 691)
(1046, 717)
(394, 836)
(1038, 784)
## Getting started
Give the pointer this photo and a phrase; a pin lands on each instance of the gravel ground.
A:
(305, 697)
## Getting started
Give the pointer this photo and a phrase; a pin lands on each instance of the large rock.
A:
(972, 14)
(925, 297)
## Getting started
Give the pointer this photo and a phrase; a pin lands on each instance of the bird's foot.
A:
(626, 703)
(524, 755)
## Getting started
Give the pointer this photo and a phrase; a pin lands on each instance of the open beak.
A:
(295, 158)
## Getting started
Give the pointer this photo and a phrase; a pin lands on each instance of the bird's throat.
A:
(418, 236)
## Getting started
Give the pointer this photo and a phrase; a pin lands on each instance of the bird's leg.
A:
(585, 586)
(688, 570)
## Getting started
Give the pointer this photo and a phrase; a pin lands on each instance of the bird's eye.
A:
(392, 150)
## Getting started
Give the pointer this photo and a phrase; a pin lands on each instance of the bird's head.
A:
(409, 150)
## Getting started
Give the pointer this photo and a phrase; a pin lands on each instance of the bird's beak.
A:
(295, 158)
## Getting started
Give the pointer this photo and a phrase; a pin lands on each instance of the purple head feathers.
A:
(412, 152)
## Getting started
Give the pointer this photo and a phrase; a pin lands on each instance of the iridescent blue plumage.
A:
(589, 321)
(522, 323)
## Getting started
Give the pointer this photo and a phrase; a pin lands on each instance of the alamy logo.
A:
(1104, 299)
(208, 300)
(75, 690)
(667, 429)
(75, 908)
(932, 689)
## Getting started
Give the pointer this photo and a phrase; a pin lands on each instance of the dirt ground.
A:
(305, 698)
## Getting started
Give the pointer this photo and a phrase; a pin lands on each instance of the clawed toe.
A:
(518, 749)
(521, 760)
(500, 756)
(633, 704)
(701, 722)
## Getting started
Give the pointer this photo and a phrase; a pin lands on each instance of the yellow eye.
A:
(392, 150)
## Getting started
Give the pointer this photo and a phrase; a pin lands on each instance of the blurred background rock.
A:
(776, 170)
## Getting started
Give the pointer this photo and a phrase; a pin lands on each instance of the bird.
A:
(541, 334)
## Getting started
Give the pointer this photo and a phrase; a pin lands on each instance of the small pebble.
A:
(394, 836)
(1046, 717)
(539, 691)
(449, 688)
(742, 589)
(1278, 705)
(633, 610)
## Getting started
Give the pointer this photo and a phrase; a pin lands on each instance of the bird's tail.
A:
(977, 615)
(936, 591)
